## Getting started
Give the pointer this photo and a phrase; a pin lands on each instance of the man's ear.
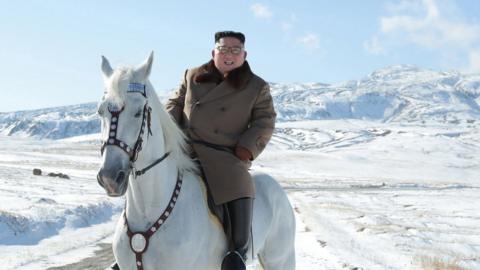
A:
(213, 53)
(245, 57)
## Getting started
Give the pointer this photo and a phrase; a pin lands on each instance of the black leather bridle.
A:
(132, 152)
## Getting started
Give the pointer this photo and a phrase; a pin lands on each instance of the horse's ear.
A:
(106, 68)
(146, 67)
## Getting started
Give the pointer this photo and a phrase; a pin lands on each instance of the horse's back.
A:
(268, 187)
(270, 192)
(273, 224)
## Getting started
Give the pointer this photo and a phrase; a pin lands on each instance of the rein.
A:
(144, 170)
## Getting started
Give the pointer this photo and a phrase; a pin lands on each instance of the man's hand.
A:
(243, 153)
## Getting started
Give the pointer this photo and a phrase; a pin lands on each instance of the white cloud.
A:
(373, 46)
(310, 41)
(428, 24)
(430, 30)
(474, 61)
(261, 11)
(289, 24)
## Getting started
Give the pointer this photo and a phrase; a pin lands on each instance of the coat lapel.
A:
(214, 86)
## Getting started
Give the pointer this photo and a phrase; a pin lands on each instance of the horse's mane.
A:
(175, 140)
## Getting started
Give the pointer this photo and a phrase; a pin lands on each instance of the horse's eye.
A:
(138, 114)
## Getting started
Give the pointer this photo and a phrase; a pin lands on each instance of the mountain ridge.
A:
(400, 93)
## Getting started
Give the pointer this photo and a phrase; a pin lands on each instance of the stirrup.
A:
(233, 261)
(114, 266)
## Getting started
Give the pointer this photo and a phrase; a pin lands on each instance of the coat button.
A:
(215, 131)
(223, 109)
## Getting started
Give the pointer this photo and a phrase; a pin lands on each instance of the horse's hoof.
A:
(233, 261)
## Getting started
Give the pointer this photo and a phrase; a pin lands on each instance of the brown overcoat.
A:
(218, 114)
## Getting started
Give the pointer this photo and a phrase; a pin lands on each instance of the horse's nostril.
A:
(120, 177)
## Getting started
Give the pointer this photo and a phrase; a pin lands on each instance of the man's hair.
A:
(237, 35)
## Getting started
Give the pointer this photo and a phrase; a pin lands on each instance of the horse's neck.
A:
(149, 195)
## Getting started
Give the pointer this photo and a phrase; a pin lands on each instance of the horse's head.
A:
(125, 117)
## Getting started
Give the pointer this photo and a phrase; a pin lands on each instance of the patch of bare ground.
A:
(101, 260)
(435, 263)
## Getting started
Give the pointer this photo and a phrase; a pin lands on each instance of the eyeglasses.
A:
(232, 50)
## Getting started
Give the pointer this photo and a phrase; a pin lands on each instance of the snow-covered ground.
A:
(46, 220)
(367, 195)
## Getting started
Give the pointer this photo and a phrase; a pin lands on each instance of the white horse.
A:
(167, 203)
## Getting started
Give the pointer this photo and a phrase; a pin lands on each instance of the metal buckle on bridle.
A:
(133, 169)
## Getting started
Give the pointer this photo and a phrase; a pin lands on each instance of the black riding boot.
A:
(114, 266)
(240, 212)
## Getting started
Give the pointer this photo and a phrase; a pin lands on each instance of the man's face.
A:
(228, 54)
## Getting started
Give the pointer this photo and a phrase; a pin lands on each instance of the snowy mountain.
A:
(402, 94)
(52, 123)
(393, 94)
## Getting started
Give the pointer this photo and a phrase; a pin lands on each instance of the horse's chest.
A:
(163, 250)
(187, 240)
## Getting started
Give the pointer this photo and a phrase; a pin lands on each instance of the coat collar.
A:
(237, 78)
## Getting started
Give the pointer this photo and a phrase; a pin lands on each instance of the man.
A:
(227, 112)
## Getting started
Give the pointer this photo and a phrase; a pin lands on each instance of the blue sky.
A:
(50, 50)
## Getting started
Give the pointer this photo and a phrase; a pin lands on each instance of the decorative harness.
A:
(112, 139)
(139, 240)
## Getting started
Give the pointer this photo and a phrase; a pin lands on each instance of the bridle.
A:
(132, 152)
(112, 133)
(139, 241)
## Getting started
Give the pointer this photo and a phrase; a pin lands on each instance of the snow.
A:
(366, 194)
(383, 173)
(41, 216)
(381, 196)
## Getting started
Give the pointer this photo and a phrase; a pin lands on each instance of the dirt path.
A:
(102, 259)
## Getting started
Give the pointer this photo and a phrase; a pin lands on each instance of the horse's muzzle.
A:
(114, 183)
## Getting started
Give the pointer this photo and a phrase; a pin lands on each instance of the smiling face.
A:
(228, 54)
